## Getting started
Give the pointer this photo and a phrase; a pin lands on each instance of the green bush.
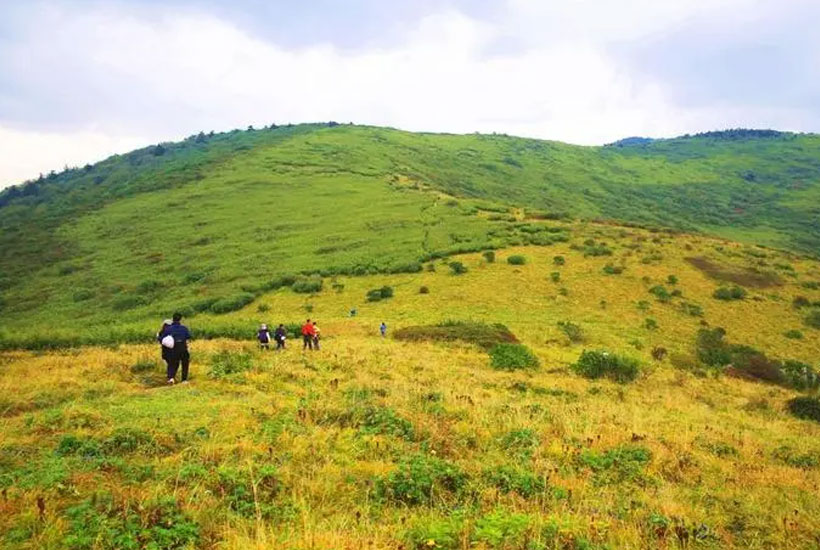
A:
(226, 363)
(512, 356)
(484, 336)
(82, 295)
(244, 494)
(443, 532)
(307, 285)
(457, 268)
(813, 319)
(711, 348)
(572, 331)
(807, 408)
(501, 529)
(800, 302)
(232, 303)
(424, 290)
(610, 269)
(691, 309)
(489, 255)
(149, 286)
(594, 250)
(603, 364)
(801, 375)
(378, 294)
(516, 259)
(793, 334)
(555, 276)
(621, 464)
(384, 420)
(558, 260)
(730, 293)
(418, 479)
(660, 292)
(672, 280)
(650, 324)
(514, 479)
(796, 459)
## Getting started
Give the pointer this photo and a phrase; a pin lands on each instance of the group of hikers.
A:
(173, 338)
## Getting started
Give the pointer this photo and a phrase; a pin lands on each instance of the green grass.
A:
(214, 221)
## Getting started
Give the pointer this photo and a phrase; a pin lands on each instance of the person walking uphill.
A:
(280, 335)
(264, 337)
(315, 336)
(179, 352)
(307, 335)
(166, 351)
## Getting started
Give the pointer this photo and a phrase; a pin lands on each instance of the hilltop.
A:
(210, 223)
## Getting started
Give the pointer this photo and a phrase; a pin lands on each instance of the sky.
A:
(83, 79)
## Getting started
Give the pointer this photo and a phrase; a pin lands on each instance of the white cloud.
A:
(127, 77)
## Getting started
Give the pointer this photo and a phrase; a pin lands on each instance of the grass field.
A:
(223, 217)
(387, 443)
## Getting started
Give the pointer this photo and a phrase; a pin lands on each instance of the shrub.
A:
(555, 276)
(147, 287)
(660, 292)
(443, 532)
(650, 324)
(500, 529)
(225, 363)
(793, 334)
(512, 356)
(600, 364)
(307, 285)
(811, 285)
(711, 348)
(801, 375)
(610, 269)
(658, 353)
(514, 479)
(595, 250)
(378, 294)
(643, 305)
(484, 336)
(457, 268)
(573, 331)
(384, 420)
(489, 255)
(807, 408)
(795, 459)
(82, 295)
(520, 442)
(729, 293)
(424, 290)
(672, 280)
(243, 495)
(129, 302)
(232, 303)
(813, 319)
(263, 308)
(621, 464)
(516, 259)
(800, 302)
(418, 479)
(691, 309)
(558, 260)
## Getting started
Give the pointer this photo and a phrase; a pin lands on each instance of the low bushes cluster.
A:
(417, 480)
(558, 260)
(231, 303)
(572, 331)
(515, 479)
(378, 294)
(813, 319)
(728, 293)
(483, 335)
(457, 268)
(805, 407)
(603, 364)
(516, 259)
(510, 356)
(307, 284)
(621, 464)
(610, 269)
(660, 292)
(226, 363)
(489, 255)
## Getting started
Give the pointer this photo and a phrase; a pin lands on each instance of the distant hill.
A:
(221, 217)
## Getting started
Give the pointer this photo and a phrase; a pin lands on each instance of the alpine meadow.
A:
(608, 347)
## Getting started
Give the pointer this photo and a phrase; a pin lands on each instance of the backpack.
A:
(264, 336)
(168, 342)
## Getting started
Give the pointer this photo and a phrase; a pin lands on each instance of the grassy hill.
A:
(423, 439)
(209, 224)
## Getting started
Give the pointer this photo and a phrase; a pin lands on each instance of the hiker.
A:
(315, 336)
(264, 337)
(280, 335)
(383, 329)
(178, 353)
(166, 351)
(307, 335)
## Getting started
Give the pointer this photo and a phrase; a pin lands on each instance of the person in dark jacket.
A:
(280, 336)
(264, 337)
(166, 352)
(179, 353)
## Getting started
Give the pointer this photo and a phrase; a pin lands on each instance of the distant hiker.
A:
(263, 336)
(307, 335)
(179, 351)
(167, 345)
(280, 335)
(383, 329)
(315, 335)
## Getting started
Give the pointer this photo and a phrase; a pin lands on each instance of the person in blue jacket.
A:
(178, 355)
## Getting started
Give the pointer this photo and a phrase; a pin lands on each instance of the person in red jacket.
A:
(307, 335)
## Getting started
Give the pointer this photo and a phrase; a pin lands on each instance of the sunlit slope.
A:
(216, 217)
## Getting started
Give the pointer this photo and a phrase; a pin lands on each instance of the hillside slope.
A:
(223, 217)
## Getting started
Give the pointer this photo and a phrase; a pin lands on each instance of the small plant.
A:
(558, 260)
(513, 479)
(658, 353)
(379, 294)
(500, 529)
(457, 268)
(563, 291)
(384, 420)
(650, 324)
(263, 308)
(424, 290)
(418, 479)
(672, 280)
(691, 309)
(516, 259)
(794, 334)
(225, 363)
(813, 319)
(512, 357)
(489, 256)
(431, 267)
(807, 408)
(729, 293)
(599, 364)
(555, 276)
(610, 269)
(660, 292)
(801, 375)
(805, 461)
(521, 442)
(643, 305)
(621, 464)
(573, 331)
(436, 533)
(800, 302)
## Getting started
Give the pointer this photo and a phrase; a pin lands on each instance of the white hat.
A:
(167, 322)
(264, 325)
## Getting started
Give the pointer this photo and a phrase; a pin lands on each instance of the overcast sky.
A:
(83, 79)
